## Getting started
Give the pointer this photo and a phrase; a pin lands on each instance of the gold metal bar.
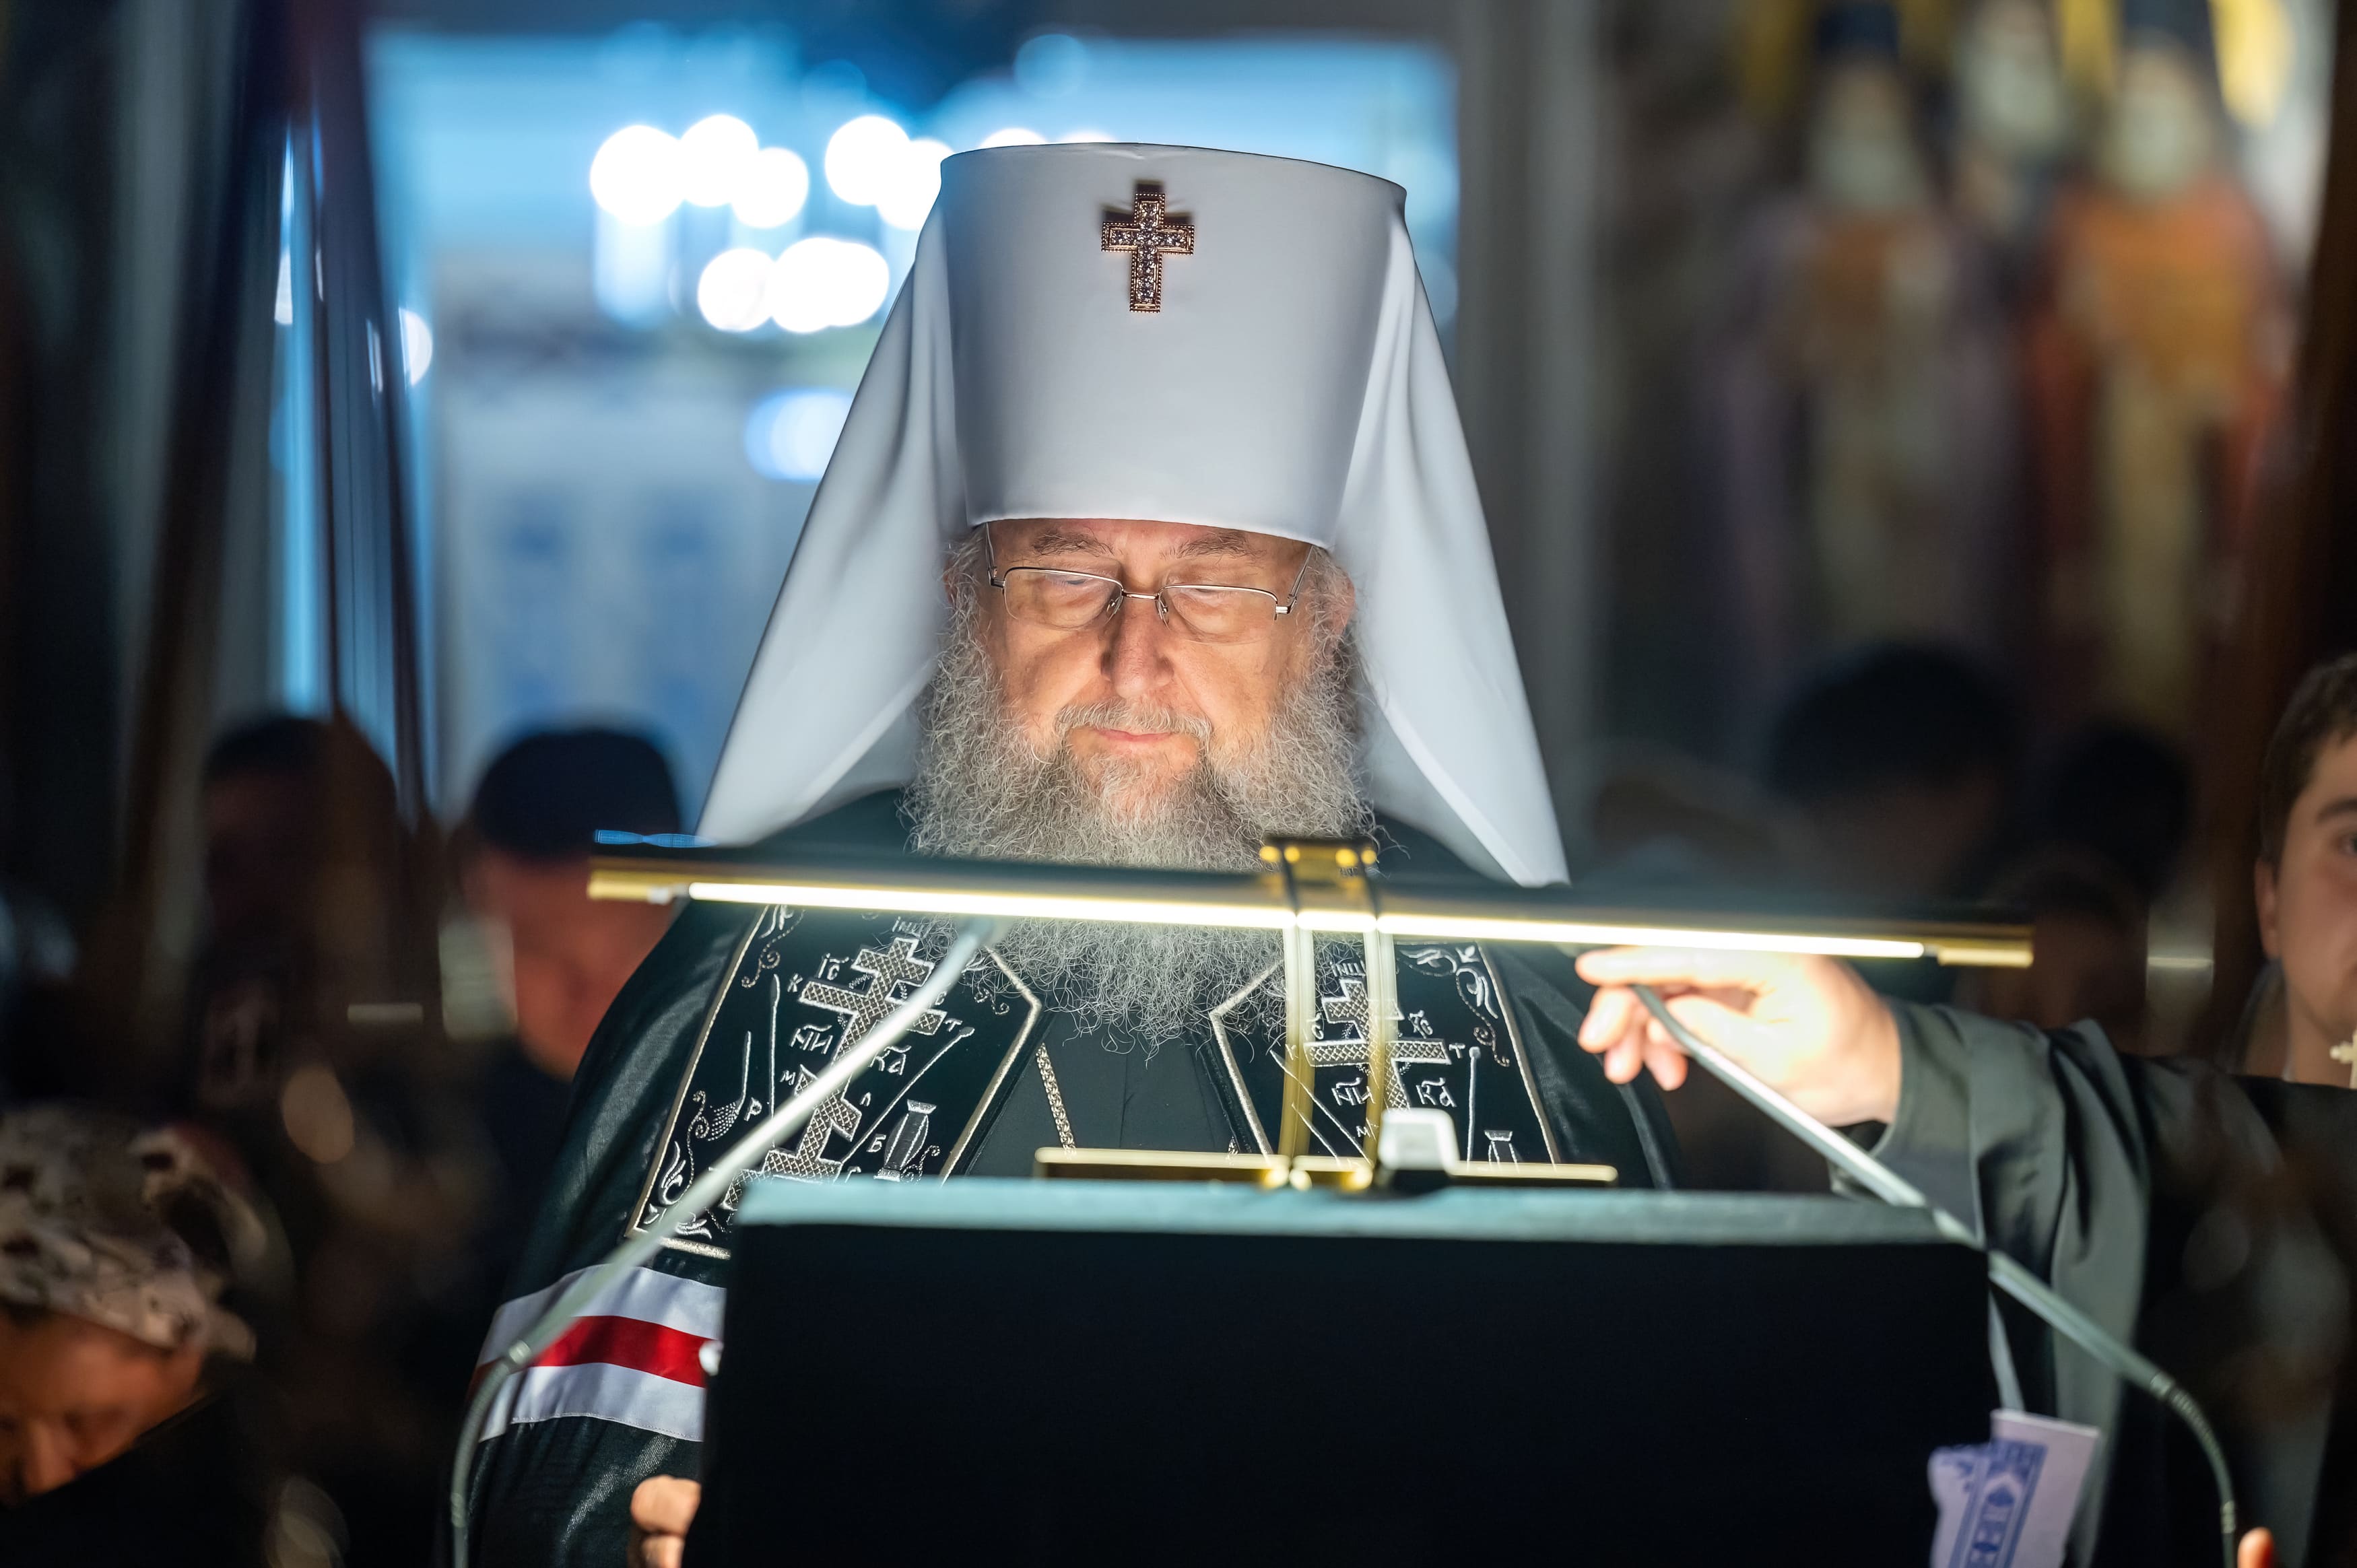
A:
(1475, 1173)
(1160, 1164)
(1303, 1172)
(1382, 1003)
(1311, 1171)
(1980, 952)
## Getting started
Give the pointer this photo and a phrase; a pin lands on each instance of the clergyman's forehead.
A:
(1197, 543)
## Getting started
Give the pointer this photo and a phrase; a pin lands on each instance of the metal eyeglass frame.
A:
(1121, 589)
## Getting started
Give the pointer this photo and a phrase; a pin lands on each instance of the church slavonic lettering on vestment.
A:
(907, 1145)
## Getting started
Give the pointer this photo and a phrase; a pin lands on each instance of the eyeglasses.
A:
(1206, 612)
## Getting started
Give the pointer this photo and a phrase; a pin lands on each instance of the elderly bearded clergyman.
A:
(1150, 533)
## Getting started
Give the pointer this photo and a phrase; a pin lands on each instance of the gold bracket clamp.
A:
(1328, 878)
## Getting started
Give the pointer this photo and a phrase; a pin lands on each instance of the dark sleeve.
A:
(553, 1492)
(1595, 1120)
(2094, 1169)
(558, 1492)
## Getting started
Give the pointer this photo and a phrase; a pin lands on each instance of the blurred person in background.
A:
(2123, 793)
(1900, 760)
(128, 1431)
(2110, 812)
(1659, 820)
(316, 1051)
(523, 858)
(523, 864)
(2089, 947)
(306, 863)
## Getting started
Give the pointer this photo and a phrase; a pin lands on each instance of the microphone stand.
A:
(703, 1192)
(2007, 1275)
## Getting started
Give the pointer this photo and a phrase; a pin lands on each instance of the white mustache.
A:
(1134, 719)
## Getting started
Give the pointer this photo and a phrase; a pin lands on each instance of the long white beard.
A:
(981, 791)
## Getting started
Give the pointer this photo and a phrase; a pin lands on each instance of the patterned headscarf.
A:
(121, 1225)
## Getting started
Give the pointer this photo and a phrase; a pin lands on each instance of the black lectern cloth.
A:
(1060, 1372)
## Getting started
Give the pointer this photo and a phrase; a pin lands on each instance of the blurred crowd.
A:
(379, 1028)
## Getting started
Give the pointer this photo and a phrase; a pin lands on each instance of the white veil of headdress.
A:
(1290, 384)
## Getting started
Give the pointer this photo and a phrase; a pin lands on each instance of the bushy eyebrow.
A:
(1227, 541)
(1070, 540)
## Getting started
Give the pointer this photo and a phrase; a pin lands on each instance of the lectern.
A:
(1101, 1372)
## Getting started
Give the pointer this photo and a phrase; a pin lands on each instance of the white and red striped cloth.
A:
(634, 1356)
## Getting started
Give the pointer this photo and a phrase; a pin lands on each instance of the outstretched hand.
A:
(1808, 1025)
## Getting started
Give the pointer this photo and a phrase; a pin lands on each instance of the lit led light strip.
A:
(1578, 933)
(1014, 906)
(1991, 948)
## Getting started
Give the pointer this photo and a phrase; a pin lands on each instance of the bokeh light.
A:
(1052, 65)
(637, 176)
(863, 158)
(1086, 134)
(1013, 136)
(790, 435)
(772, 189)
(714, 156)
(909, 193)
(733, 294)
(823, 281)
(416, 345)
(317, 1113)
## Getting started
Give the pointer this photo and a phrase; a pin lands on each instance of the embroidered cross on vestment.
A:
(1149, 233)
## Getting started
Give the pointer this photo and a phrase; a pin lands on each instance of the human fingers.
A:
(2257, 1550)
(1668, 1064)
(665, 1505)
(1611, 1014)
(1712, 1020)
(1643, 1046)
(1622, 1061)
(657, 1550)
(1842, 1070)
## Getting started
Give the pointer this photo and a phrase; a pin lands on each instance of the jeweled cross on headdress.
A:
(1149, 233)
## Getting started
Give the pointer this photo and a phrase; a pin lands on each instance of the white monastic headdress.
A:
(1281, 375)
